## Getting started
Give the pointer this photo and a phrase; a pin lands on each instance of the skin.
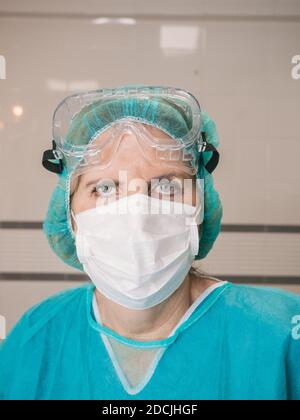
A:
(89, 190)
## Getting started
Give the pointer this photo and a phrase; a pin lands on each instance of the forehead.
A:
(116, 174)
(134, 148)
(131, 146)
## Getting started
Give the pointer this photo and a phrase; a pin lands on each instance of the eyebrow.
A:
(95, 181)
(170, 175)
(158, 176)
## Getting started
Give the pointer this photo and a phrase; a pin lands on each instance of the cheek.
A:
(74, 227)
(82, 200)
(79, 202)
(190, 194)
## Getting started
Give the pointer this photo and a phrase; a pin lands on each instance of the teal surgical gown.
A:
(241, 342)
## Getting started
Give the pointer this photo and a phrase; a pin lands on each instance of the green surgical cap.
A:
(86, 126)
(89, 122)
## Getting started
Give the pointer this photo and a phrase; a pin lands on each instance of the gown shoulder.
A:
(57, 308)
(266, 306)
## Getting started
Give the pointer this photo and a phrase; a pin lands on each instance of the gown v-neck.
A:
(136, 365)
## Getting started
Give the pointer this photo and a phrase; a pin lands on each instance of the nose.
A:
(130, 160)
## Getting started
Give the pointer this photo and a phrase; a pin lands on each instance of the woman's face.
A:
(131, 172)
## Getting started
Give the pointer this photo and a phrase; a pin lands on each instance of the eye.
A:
(167, 187)
(105, 187)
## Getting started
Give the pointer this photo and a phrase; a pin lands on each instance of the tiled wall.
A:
(235, 56)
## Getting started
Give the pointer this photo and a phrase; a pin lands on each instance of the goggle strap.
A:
(204, 146)
(49, 156)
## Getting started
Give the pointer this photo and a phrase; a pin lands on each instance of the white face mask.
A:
(134, 257)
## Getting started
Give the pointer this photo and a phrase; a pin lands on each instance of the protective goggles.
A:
(166, 123)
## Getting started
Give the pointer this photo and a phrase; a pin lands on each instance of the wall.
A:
(235, 56)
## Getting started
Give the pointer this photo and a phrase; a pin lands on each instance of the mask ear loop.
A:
(194, 239)
(194, 221)
(75, 221)
(200, 197)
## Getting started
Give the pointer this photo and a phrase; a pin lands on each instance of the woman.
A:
(135, 206)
